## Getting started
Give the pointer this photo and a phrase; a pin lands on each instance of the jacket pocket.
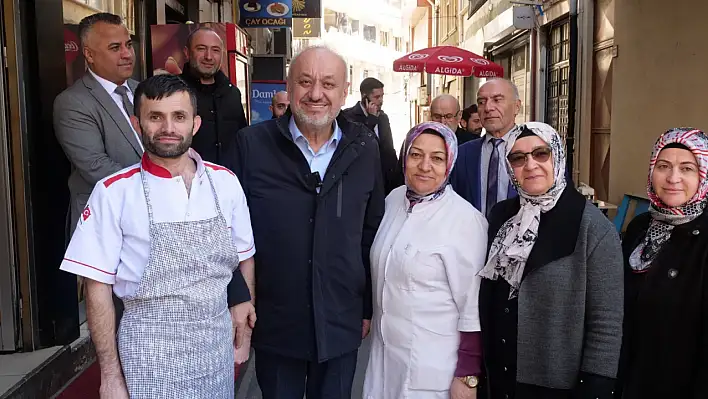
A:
(339, 197)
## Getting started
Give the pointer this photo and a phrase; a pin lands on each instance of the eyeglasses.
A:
(448, 117)
(518, 159)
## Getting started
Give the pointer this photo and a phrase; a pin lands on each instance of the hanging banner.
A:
(307, 28)
(262, 98)
(307, 9)
(265, 13)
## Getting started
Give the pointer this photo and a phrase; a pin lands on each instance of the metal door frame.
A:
(9, 289)
(16, 145)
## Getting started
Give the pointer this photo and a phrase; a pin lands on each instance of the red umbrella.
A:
(448, 60)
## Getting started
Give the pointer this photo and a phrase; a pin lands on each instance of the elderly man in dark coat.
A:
(314, 186)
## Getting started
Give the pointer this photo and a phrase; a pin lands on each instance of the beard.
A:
(200, 71)
(162, 150)
(320, 122)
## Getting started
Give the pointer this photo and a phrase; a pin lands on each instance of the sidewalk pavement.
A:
(248, 388)
(71, 372)
(39, 374)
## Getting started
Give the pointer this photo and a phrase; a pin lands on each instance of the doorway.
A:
(8, 277)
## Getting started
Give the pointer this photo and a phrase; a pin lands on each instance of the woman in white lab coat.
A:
(424, 263)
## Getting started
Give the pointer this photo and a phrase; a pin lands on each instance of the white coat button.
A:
(696, 232)
(673, 273)
(503, 341)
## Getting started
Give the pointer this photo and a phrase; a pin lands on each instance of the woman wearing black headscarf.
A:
(665, 348)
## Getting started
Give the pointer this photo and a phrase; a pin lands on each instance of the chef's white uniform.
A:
(424, 267)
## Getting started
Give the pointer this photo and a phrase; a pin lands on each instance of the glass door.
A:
(8, 279)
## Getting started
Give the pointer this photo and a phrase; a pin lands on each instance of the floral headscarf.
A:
(451, 146)
(513, 243)
(664, 217)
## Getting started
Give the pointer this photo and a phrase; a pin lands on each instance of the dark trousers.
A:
(282, 377)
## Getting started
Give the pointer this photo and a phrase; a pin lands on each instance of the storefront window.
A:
(558, 71)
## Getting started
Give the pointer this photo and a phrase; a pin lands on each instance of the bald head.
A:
(498, 104)
(446, 109)
(318, 86)
(505, 83)
(320, 53)
(279, 104)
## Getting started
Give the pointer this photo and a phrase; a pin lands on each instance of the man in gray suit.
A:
(92, 117)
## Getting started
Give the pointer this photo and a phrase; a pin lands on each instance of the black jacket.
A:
(219, 105)
(389, 160)
(665, 345)
(464, 135)
(313, 281)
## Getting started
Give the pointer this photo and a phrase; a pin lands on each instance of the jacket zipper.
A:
(339, 197)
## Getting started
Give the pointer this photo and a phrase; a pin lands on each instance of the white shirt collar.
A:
(109, 86)
(296, 133)
(488, 137)
(158, 171)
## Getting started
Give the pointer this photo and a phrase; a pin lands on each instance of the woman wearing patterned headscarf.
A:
(424, 263)
(665, 349)
(551, 295)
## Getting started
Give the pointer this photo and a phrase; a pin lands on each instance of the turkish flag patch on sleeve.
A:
(86, 213)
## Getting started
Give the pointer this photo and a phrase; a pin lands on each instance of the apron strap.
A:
(146, 191)
(213, 191)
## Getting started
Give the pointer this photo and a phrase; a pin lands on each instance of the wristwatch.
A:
(471, 381)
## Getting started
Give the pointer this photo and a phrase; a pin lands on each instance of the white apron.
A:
(175, 338)
(425, 288)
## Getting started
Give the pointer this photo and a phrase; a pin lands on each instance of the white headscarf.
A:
(515, 239)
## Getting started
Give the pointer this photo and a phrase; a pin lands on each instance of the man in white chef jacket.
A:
(166, 235)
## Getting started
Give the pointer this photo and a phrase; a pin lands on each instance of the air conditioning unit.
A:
(423, 96)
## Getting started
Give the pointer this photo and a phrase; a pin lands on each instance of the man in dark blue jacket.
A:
(314, 187)
(480, 174)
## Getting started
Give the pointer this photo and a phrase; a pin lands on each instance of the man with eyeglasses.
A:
(446, 110)
(480, 174)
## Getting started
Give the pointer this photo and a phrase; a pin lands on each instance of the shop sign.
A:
(304, 28)
(265, 13)
(307, 9)
(262, 98)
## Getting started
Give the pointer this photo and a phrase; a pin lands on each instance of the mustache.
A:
(318, 102)
(167, 135)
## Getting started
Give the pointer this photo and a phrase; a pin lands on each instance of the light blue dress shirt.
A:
(318, 161)
(503, 175)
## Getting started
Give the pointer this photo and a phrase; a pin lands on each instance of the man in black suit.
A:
(368, 112)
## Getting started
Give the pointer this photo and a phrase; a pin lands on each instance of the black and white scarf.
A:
(515, 239)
